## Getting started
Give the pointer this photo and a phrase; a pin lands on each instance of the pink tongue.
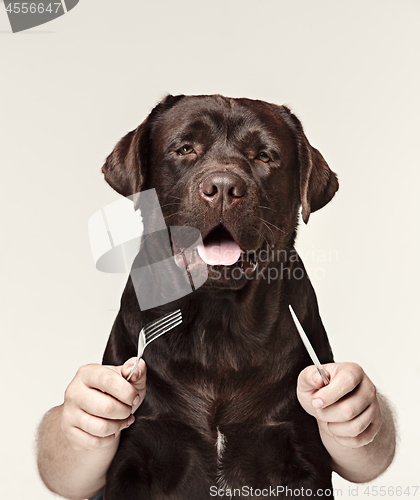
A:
(222, 252)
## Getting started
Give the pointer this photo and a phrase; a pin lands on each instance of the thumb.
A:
(138, 379)
(139, 374)
(127, 367)
(309, 381)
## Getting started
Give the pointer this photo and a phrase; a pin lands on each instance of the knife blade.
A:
(309, 348)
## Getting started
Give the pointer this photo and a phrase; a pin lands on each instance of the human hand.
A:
(99, 403)
(347, 409)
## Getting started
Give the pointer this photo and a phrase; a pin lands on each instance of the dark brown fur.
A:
(232, 366)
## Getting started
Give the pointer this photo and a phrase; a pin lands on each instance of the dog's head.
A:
(236, 169)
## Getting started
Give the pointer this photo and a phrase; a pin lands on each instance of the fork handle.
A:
(142, 344)
(134, 368)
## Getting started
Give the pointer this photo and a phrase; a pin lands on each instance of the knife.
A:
(309, 348)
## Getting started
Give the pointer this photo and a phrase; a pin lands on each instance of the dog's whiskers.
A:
(264, 238)
(173, 215)
(169, 204)
(268, 208)
(263, 221)
(266, 222)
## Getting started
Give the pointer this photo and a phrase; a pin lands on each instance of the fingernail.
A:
(130, 420)
(317, 403)
(136, 400)
(316, 377)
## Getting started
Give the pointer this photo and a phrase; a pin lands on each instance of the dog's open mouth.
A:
(219, 248)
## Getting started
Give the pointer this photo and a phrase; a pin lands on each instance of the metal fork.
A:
(153, 330)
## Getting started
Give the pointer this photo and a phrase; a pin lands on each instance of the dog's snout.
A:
(222, 189)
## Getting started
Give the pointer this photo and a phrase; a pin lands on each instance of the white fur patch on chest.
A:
(220, 444)
(220, 447)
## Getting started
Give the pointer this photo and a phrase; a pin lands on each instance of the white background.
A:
(71, 88)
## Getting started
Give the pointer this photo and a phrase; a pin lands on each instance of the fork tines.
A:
(162, 325)
(153, 330)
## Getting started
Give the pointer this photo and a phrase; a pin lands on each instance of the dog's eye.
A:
(186, 149)
(263, 156)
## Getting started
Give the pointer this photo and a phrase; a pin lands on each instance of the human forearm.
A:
(65, 471)
(355, 423)
(78, 440)
(365, 463)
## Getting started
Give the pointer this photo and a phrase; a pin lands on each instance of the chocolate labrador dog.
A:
(221, 416)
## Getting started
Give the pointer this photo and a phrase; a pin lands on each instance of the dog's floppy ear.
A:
(318, 183)
(125, 166)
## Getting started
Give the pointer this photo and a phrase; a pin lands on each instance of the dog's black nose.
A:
(222, 188)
